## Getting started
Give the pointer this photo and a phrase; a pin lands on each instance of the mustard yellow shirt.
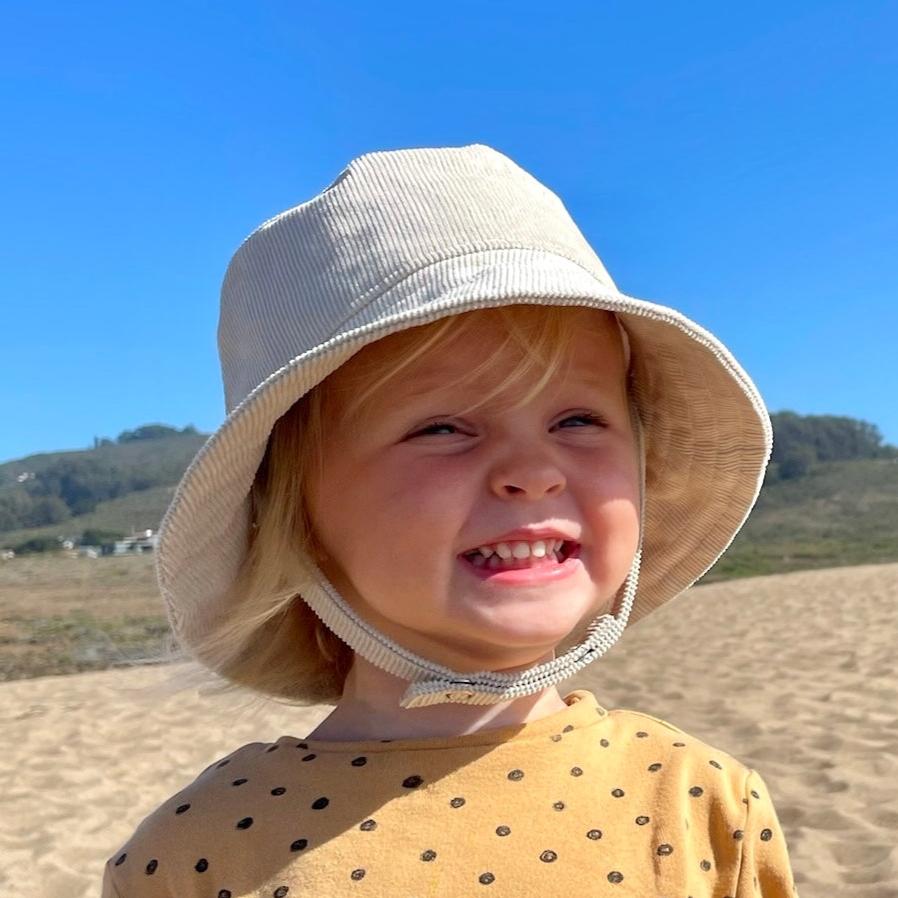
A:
(583, 803)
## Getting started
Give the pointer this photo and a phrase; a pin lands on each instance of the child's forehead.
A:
(479, 358)
(446, 379)
(479, 335)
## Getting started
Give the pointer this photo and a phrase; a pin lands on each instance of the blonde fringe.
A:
(269, 641)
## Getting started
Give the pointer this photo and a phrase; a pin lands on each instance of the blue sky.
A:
(737, 162)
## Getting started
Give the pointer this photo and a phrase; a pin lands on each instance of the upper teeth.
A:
(538, 549)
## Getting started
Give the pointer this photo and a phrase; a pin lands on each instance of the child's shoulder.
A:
(653, 735)
(176, 835)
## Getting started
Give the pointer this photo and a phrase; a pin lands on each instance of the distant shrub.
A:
(796, 463)
(38, 544)
(148, 432)
(93, 536)
(829, 437)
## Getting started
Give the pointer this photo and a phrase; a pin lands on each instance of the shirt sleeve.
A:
(108, 889)
(765, 870)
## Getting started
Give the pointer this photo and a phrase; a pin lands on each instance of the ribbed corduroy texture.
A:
(409, 236)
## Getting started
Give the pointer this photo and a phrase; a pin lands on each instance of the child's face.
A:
(398, 505)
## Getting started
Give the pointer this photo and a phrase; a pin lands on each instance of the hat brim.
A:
(707, 433)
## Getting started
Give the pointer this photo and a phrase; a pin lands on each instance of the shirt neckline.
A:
(582, 710)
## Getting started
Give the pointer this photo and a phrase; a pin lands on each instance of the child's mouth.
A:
(560, 559)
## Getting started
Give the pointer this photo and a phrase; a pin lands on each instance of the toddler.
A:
(457, 462)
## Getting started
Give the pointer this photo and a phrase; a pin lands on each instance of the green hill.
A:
(141, 510)
(115, 486)
(840, 513)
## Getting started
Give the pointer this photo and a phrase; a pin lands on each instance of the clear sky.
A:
(736, 161)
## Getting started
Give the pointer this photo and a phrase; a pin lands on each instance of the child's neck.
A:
(369, 710)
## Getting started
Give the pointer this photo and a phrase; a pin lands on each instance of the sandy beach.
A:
(793, 674)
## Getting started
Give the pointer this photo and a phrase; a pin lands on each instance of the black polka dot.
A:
(568, 728)
(278, 790)
(456, 802)
(151, 866)
(705, 865)
(604, 743)
(642, 820)
(240, 782)
(224, 763)
(181, 808)
(576, 771)
(502, 830)
(299, 844)
(594, 834)
(548, 856)
(559, 805)
(516, 774)
(224, 893)
(357, 874)
(280, 891)
(679, 744)
(695, 791)
(754, 794)
(715, 764)
(201, 866)
(641, 734)
(245, 823)
(617, 793)
(302, 745)
(368, 825)
(738, 834)
(766, 835)
(614, 876)
(120, 859)
(556, 737)
(428, 855)
(271, 748)
(412, 782)
(309, 757)
(665, 849)
(654, 768)
(360, 761)
(486, 878)
(320, 803)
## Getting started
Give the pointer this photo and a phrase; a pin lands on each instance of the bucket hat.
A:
(401, 238)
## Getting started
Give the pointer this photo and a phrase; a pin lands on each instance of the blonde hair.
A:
(270, 640)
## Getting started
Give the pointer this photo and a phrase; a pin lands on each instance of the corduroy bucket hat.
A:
(406, 237)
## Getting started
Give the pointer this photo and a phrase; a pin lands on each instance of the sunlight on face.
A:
(409, 484)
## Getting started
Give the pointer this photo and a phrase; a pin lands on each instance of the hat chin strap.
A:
(432, 683)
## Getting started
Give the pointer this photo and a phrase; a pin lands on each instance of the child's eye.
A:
(431, 427)
(586, 416)
(589, 418)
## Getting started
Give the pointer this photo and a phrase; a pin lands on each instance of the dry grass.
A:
(60, 614)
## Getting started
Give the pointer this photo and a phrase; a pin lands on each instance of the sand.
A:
(792, 674)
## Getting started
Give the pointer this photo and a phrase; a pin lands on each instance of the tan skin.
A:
(401, 498)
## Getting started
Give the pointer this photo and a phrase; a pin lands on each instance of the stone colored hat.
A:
(405, 237)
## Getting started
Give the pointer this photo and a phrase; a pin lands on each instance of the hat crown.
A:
(317, 269)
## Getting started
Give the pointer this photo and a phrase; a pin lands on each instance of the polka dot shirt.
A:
(584, 802)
